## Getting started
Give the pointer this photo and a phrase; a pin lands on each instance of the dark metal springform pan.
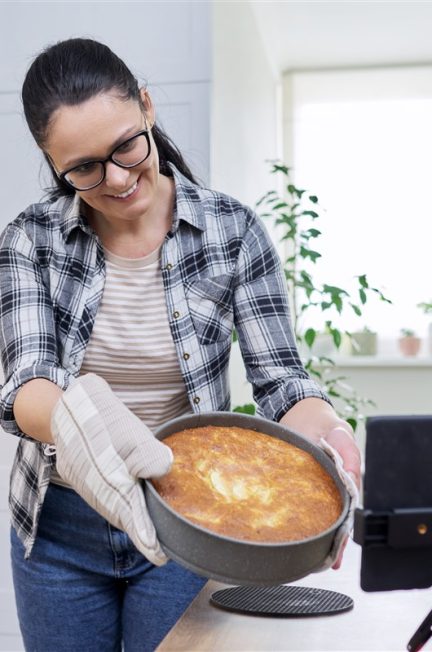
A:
(230, 560)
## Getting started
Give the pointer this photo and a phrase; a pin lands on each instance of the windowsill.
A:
(381, 361)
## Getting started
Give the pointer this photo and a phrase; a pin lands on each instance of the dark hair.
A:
(73, 71)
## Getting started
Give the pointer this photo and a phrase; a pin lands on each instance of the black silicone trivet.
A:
(281, 601)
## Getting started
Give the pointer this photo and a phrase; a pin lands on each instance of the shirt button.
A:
(168, 266)
(196, 400)
(176, 314)
(186, 356)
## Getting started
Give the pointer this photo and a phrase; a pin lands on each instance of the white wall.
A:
(245, 119)
(245, 124)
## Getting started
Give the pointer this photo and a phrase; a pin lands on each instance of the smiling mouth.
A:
(127, 193)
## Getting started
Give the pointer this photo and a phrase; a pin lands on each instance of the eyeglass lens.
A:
(133, 152)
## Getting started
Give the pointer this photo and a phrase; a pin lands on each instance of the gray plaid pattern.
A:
(220, 270)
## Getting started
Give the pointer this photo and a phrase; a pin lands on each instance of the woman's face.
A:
(90, 131)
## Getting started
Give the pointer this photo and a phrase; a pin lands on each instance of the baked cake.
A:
(248, 485)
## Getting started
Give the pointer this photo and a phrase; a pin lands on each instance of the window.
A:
(362, 141)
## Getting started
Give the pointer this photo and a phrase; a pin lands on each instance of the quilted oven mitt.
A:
(103, 450)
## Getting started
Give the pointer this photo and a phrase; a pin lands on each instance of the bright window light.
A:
(362, 142)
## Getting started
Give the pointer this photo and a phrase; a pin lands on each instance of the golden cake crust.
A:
(248, 485)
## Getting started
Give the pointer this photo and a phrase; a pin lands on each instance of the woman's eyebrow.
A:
(87, 159)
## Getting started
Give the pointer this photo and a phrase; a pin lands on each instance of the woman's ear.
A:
(149, 110)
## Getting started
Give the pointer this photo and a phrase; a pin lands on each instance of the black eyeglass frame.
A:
(143, 132)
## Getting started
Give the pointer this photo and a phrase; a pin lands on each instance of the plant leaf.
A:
(337, 337)
(310, 336)
(356, 309)
(247, 408)
(363, 281)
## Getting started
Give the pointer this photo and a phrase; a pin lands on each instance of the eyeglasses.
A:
(89, 174)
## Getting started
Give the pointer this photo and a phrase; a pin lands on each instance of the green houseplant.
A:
(295, 215)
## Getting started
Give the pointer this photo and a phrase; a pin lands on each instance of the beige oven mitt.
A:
(103, 450)
(345, 528)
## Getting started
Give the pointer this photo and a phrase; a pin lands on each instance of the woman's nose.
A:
(116, 177)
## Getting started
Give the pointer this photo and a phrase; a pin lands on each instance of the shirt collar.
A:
(188, 202)
(188, 207)
(73, 210)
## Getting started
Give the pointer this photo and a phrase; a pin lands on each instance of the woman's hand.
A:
(315, 419)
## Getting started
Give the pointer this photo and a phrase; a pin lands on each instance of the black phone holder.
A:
(395, 543)
(394, 527)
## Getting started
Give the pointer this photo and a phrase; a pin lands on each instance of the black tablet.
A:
(394, 527)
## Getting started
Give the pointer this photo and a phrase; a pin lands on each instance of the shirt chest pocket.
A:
(210, 307)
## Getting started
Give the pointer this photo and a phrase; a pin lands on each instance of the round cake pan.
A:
(230, 560)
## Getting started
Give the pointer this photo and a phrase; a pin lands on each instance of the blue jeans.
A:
(86, 588)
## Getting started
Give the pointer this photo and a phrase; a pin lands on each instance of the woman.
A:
(118, 298)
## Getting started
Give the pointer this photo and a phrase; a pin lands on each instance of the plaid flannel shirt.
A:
(220, 270)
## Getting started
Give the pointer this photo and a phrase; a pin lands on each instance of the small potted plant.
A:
(409, 343)
(363, 342)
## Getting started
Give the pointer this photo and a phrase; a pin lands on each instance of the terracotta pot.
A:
(409, 345)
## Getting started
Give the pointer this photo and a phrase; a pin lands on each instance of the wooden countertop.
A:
(383, 621)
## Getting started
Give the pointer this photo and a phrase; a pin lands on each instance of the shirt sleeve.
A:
(28, 342)
(263, 324)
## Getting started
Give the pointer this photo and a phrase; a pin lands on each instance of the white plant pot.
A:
(363, 343)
